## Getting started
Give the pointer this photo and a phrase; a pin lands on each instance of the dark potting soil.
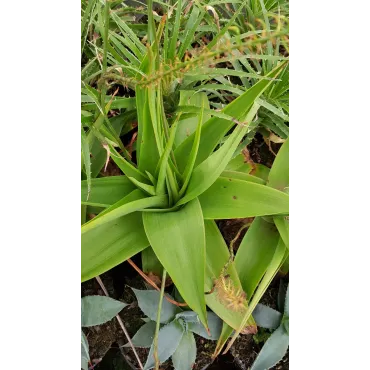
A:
(106, 340)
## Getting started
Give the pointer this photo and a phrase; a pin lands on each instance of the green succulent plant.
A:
(187, 171)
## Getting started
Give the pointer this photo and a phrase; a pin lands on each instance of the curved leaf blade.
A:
(107, 246)
(273, 351)
(217, 255)
(177, 239)
(115, 212)
(231, 198)
(106, 190)
(206, 173)
(255, 253)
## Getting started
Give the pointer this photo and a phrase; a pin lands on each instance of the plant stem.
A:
(231, 248)
(121, 324)
(155, 342)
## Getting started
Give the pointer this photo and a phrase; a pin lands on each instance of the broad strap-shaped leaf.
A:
(279, 173)
(106, 191)
(274, 266)
(169, 338)
(266, 317)
(231, 198)
(251, 262)
(273, 350)
(177, 239)
(255, 253)
(217, 255)
(148, 301)
(107, 246)
(186, 352)
(97, 309)
(216, 128)
(144, 336)
(206, 173)
(118, 210)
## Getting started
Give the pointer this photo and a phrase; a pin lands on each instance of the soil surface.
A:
(106, 340)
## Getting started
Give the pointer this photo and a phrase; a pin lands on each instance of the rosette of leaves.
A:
(277, 344)
(175, 337)
(96, 310)
(170, 197)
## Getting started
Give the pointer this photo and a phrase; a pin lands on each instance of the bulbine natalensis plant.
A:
(183, 180)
